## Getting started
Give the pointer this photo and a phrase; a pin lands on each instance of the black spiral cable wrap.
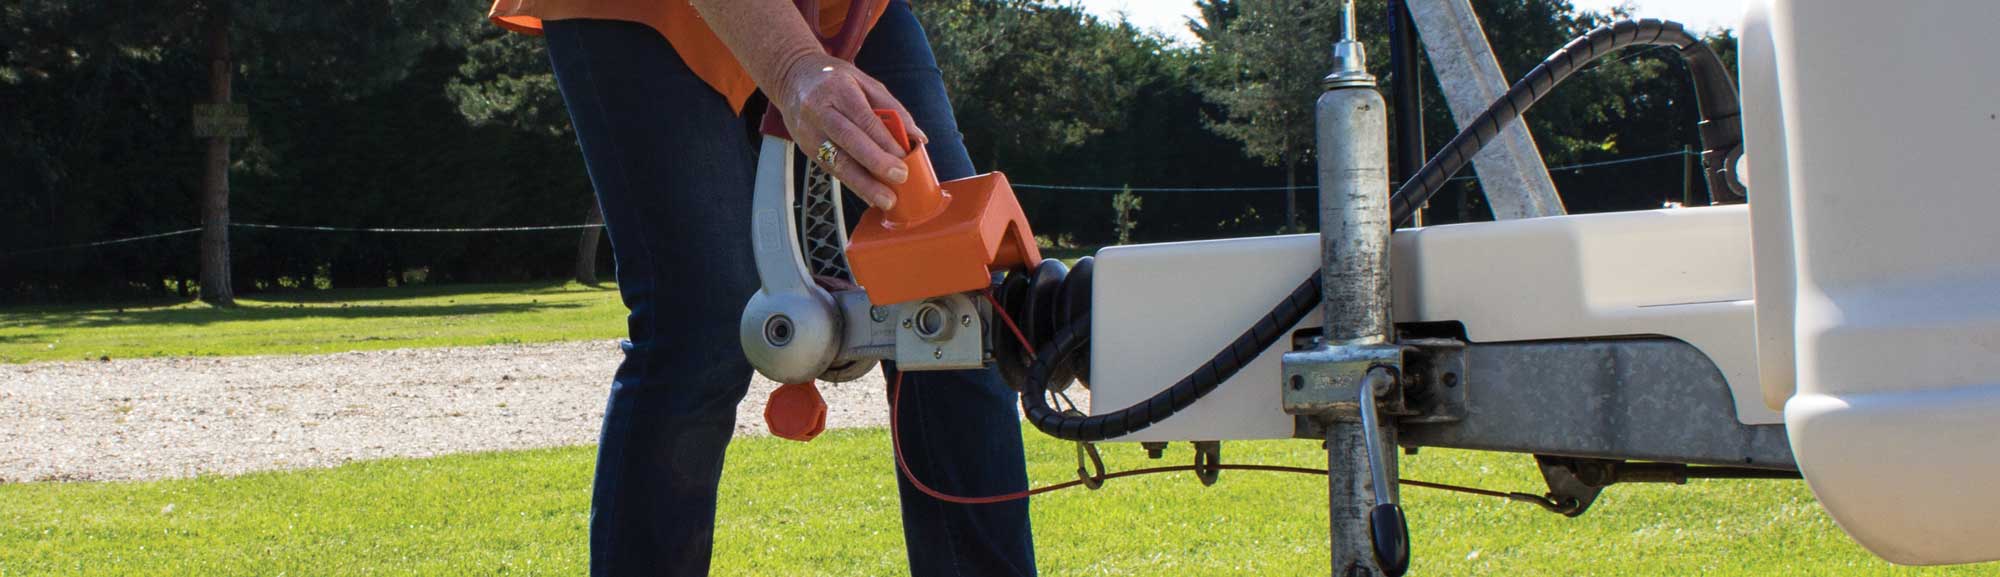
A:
(1715, 95)
(1721, 136)
(1071, 339)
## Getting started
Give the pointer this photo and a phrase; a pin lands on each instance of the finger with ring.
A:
(829, 155)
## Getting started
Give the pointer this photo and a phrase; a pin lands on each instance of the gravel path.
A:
(181, 417)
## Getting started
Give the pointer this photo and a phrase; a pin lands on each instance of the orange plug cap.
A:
(939, 239)
(796, 412)
(918, 198)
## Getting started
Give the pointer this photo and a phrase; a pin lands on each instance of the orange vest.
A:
(677, 21)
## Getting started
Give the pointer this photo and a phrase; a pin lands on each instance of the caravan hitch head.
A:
(921, 271)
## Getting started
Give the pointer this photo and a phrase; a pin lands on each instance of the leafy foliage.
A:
(1055, 76)
(505, 79)
(417, 113)
(1272, 57)
(1125, 208)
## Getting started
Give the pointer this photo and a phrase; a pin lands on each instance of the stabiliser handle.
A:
(1388, 530)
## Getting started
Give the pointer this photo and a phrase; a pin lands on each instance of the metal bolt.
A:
(1384, 386)
(879, 314)
(907, 323)
(937, 354)
(778, 330)
(965, 321)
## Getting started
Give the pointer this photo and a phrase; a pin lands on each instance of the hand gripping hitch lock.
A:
(917, 271)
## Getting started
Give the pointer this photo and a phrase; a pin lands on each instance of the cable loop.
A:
(1208, 462)
(1092, 482)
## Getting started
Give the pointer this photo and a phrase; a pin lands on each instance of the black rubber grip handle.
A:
(1391, 536)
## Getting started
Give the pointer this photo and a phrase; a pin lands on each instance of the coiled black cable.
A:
(1715, 97)
(1721, 136)
(1072, 338)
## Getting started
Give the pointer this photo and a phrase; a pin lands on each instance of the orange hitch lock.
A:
(938, 239)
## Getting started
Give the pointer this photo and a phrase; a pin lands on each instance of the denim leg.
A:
(672, 165)
(961, 432)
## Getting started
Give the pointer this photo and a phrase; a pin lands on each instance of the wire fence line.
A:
(313, 228)
(1057, 187)
(101, 242)
(1562, 168)
(294, 227)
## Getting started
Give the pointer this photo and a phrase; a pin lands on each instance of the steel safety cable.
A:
(902, 466)
(896, 442)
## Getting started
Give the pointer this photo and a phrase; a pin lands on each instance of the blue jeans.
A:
(672, 165)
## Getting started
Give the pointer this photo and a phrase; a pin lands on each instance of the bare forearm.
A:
(767, 36)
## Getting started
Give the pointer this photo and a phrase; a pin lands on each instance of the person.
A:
(657, 92)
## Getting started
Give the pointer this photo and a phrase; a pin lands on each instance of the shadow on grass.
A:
(207, 316)
(23, 338)
(332, 304)
(390, 294)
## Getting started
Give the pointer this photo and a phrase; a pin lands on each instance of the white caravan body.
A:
(1856, 299)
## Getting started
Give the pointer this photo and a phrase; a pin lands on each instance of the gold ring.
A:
(828, 154)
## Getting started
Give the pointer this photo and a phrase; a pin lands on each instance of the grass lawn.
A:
(316, 322)
(828, 508)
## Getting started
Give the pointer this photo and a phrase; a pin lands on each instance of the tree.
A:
(506, 80)
(352, 48)
(1215, 18)
(1125, 208)
(1029, 77)
(1269, 59)
(375, 113)
(1048, 93)
(1632, 103)
(112, 83)
(215, 286)
(94, 142)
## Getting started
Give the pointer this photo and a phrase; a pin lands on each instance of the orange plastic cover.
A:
(796, 412)
(939, 239)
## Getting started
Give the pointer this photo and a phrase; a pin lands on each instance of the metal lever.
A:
(791, 327)
(1389, 533)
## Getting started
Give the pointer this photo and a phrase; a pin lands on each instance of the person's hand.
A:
(825, 99)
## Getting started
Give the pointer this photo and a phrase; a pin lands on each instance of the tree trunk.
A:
(215, 181)
(586, 247)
